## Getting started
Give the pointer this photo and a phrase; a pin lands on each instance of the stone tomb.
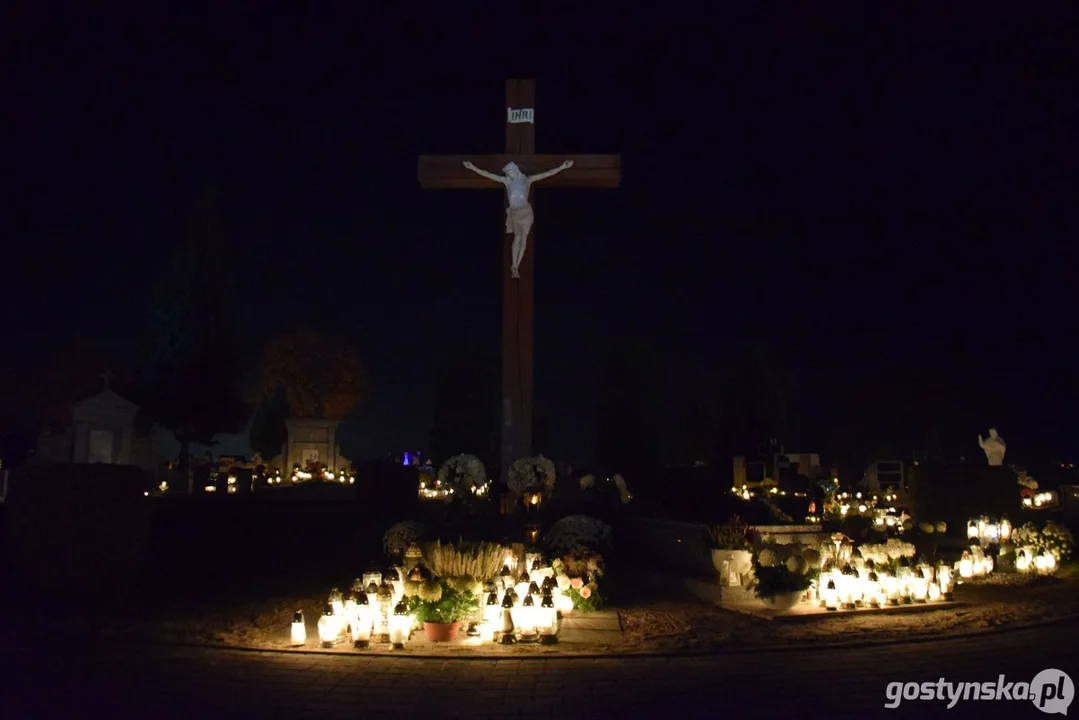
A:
(313, 440)
(104, 429)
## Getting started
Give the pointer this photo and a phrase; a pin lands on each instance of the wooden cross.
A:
(448, 172)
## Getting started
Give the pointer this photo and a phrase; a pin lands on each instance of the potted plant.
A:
(781, 584)
(442, 617)
(732, 551)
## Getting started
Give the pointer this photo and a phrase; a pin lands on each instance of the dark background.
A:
(880, 205)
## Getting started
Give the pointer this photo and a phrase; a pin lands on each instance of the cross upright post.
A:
(448, 172)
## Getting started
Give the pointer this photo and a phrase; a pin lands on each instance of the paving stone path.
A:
(59, 679)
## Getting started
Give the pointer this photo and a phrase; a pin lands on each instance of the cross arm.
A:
(440, 172)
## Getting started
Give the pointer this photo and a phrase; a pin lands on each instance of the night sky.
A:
(886, 204)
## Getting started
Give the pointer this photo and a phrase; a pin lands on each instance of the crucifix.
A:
(521, 167)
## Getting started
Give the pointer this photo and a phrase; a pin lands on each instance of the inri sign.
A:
(520, 115)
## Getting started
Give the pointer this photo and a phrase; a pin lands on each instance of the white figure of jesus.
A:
(519, 213)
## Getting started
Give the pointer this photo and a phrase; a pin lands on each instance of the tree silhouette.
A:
(320, 377)
(190, 367)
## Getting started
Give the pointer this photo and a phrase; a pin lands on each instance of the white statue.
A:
(994, 447)
(519, 213)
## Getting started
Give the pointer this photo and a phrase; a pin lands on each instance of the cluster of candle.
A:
(864, 585)
(525, 607)
(974, 563)
(988, 532)
(299, 475)
(1027, 560)
(374, 611)
(435, 491)
(1042, 500)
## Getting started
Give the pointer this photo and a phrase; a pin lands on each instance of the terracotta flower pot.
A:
(441, 632)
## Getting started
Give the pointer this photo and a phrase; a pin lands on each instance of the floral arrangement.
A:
(734, 535)
(450, 606)
(774, 576)
(479, 563)
(1026, 480)
(928, 528)
(463, 472)
(1053, 538)
(531, 474)
(587, 481)
(576, 531)
(400, 536)
(577, 575)
(887, 554)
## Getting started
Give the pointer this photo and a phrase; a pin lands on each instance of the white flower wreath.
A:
(463, 471)
(531, 474)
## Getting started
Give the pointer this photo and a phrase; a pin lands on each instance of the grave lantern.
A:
(919, 587)
(890, 585)
(528, 620)
(400, 626)
(413, 555)
(385, 611)
(492, 611)
(946, 578)
(299, 629)
(337, 602)
(350, 606)
(830, 595)
(934, 592)
(328, 627)
(506, 577)
(523, 583)
(972, 530)
(1005, 529)
(507, 620)
(362, 623)
(1022, 561)
(548, 620)
(966, 566)
(371, 576)
(872, 589)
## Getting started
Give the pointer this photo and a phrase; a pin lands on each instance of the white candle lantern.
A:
(523, 583)
(337, 602)
(972, 530)
(507, 628)
(966, 566)
(935, 593)
(946, 579)
(872, 589)
(1022, 561)
(385, 611)
(506, 577)
(371, 576)
(413, 556)
(328, 627)
(831, 595)
(393, 577)
(1005, 529)
(363, 620)
(527, 620)
(492, 611)
(548, 620)
(919, 587)
(891, 588)
(400, 626)
(299, 629)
